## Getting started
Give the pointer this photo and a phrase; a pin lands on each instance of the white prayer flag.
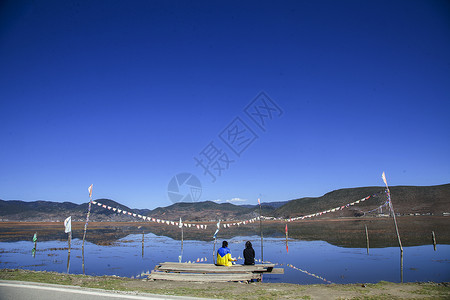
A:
(383, 176)
(90, 191)
(68, 224)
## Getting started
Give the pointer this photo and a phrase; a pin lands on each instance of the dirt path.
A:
(382, 290)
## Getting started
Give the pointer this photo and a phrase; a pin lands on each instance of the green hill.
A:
(406, 200)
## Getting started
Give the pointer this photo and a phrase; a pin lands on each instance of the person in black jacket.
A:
(249, 254)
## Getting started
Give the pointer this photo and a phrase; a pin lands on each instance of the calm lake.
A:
(307, 262)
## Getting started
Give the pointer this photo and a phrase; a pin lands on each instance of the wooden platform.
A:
(200, 272)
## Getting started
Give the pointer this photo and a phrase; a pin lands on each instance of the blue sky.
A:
(125, 94)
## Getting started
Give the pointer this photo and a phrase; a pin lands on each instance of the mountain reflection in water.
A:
(126, 257)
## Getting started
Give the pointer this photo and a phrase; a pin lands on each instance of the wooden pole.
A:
(214, 251)
(68, 262)
(393, 212)
(82, 261)
(85, 226)
(395, 222)
(215, 239)
(434, 240)
(261, 232)
(70, 240)
(287, 246)
(367, 239)
(401, 266)
(87, 216)
(142, 243)
(182, 240)
(87, 221)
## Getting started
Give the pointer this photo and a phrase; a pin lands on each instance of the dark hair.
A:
(224, 244)
(248, 244)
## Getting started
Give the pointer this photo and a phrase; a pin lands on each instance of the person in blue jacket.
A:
(224, 255)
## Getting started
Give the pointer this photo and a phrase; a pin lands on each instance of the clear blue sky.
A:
(124, 95)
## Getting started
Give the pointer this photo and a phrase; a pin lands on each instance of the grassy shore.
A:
(381, 290)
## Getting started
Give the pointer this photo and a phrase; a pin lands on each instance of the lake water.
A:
(307, 262)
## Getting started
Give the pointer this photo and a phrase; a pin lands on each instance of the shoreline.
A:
(237, 290)
(341, 232)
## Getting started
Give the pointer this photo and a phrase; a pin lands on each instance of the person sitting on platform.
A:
(249, 254)
(224, 255)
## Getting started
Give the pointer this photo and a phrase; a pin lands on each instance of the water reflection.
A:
(136, 254)
(33, 251)
(142, 243)
(68, 261)
(401, 266)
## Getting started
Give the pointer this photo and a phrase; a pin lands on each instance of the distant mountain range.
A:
(434, 200)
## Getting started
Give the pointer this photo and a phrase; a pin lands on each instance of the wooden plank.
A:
(204, 270)
(220, 270)
(203, 277)
(275, 271)
(212, 267)
(204, 264)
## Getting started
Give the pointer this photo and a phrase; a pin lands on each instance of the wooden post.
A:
(82, 261)
(367, 239)
(214, 251)
(69, 240)
(68, 262)
(261, 232)
(396, 227)
(393, 212)
(87, 216)
(215, 239)
(287, 246)
(182, 240)
(87, 221)
(142, 243)
(434, 240)
(401, 266)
